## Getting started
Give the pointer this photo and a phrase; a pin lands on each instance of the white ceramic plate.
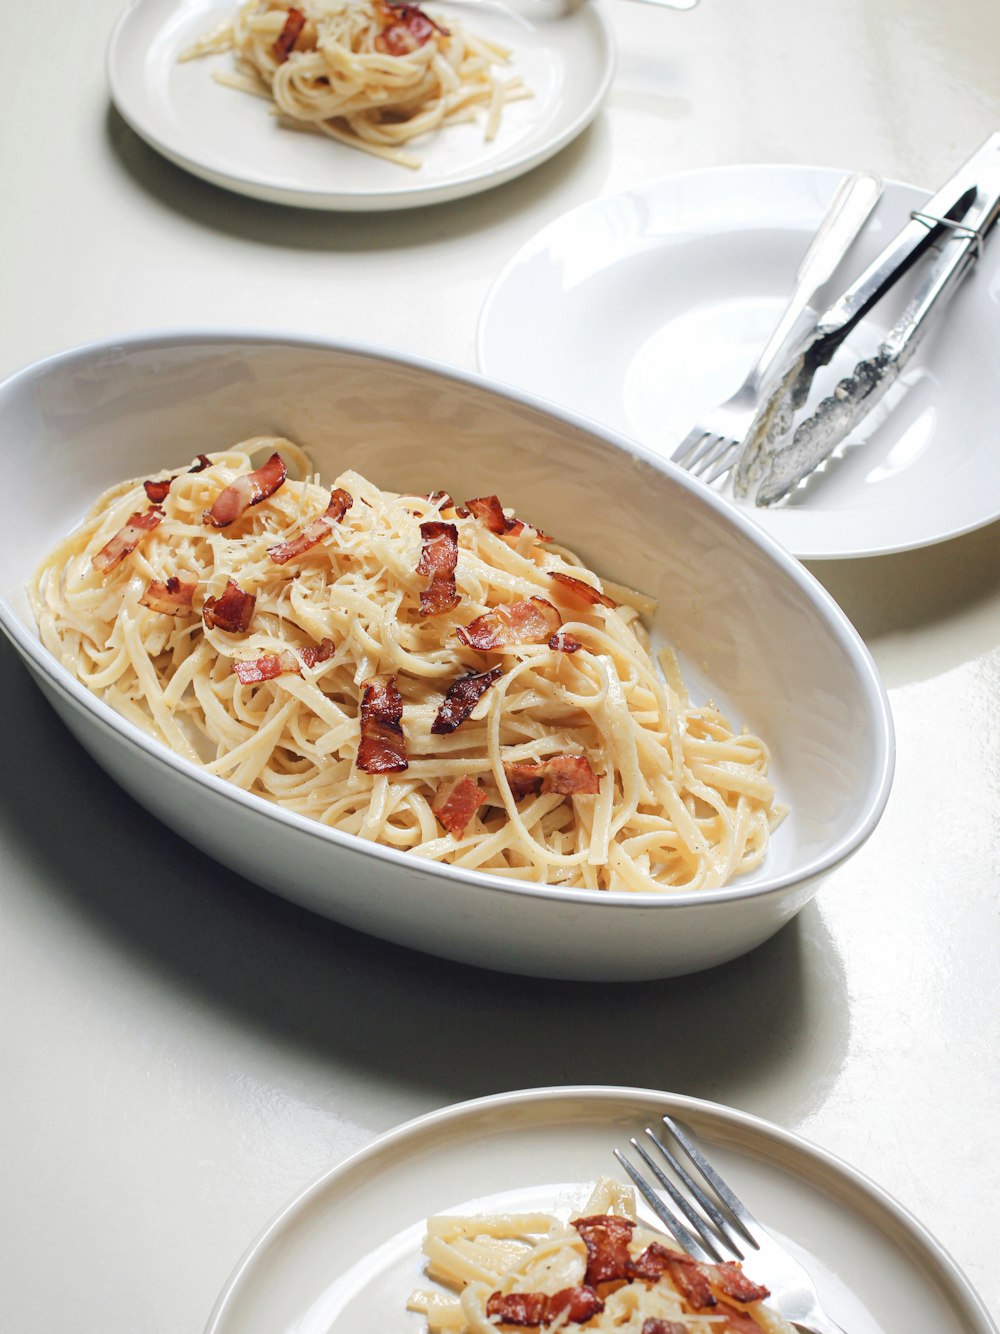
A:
(642, 310)
(345, 1254)
(231, 138)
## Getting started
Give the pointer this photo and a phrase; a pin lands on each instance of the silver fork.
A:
(722, 1227)
(712, 447)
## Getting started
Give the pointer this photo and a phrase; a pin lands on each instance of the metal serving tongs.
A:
(959, 216)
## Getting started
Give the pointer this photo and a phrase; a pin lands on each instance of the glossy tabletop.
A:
(181, 1051)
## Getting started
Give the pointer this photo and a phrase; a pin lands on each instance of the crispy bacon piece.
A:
(267, 667)
(173, 598)
(407, 28)
(456, 802)
(730, 1278)
(126, 539)
(563, 642)
(652, 1325)
(320, 653)
(694, 1277)
(382, 749)
(289, 35)
(517, 1308)
(535, 1308)
(250, 489)
(270, 665)
(462, 697)
(157, 491)
(438, 560)
(232, 611)
(524, 779)
(606, 1237)
(579, 591)
(340, 502)
(510, 624)
(566, 774)
(490, 512)
(687, 1275)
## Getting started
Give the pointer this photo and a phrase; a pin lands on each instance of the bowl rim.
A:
(872, 688)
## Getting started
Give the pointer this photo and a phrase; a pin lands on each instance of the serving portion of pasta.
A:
(600, 1271)
(372, 74)
(438, 676)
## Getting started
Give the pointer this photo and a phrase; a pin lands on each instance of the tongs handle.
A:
(855, 397)
(833, 326)
(959, 252)
(949, 204)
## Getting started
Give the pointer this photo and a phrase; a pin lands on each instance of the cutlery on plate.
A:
(717, 1226)
(712, 446)
(955, 222)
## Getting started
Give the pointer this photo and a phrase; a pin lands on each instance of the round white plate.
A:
(643, 310)
(345, 1255)
(231, 138)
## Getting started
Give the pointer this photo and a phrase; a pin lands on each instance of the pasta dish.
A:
(602, 1271)
(438, 676)
(373, 74)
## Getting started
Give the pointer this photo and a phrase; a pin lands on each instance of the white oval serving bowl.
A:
(754, 630)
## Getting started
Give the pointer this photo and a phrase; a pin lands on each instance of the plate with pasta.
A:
(357, 105)
(495, 1207)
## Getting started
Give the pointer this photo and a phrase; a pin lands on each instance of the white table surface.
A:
(180, 1051)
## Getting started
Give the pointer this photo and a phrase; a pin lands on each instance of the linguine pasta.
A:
(373, 74)
(602, 1271)
(438, 677)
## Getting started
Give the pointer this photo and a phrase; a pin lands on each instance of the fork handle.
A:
(850, 208)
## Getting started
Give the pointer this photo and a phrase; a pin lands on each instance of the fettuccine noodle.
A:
(572, 762)
(373, 74)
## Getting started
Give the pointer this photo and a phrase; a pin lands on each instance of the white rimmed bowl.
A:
(754, 630)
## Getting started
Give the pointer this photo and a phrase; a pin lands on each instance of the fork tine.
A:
(724, 1227)
(742, 1216)
(663, 1212)
(711, 455)
(693, 438)
(725, 461)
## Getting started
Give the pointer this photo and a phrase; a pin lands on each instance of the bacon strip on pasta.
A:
(439, 560)
(569, 775)
(462, 697)
(580, 591)
(382, 749)
(250, 489)
(510, 625)
(127, 538)
(456, 802)
(340, 502)
(232, 610)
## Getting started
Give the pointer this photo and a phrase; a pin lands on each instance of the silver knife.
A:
(774, 419)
